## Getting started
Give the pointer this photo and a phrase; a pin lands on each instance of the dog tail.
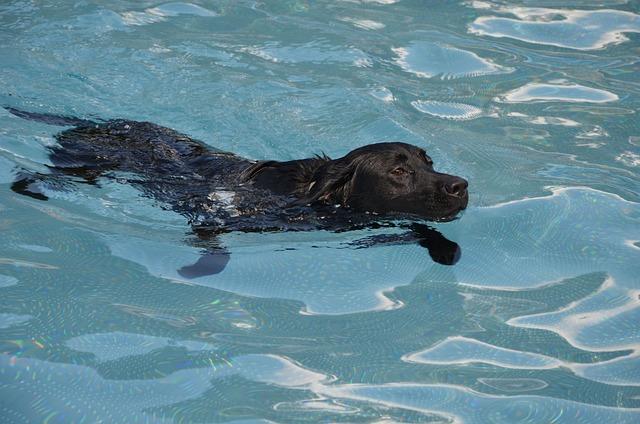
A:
(46, 118)
(29, 183)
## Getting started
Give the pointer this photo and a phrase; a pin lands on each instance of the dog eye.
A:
(399, 171)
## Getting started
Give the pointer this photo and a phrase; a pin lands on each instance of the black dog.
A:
(376, 185)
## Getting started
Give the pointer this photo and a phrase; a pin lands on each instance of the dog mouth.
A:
(450, 217)
(450, 208)
(452, 214)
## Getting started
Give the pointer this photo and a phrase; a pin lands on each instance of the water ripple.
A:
(514, 385)
(429, 60)
(573, 29)
(312, 52)
(7, 281)
(535, 106)
(116, 345)
(537, 92)
(363, 23)
(463, 405)
(461, 350)
(9, 320)
(164, 11)
(447, 110)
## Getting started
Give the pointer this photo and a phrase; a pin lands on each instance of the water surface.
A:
(535, 104)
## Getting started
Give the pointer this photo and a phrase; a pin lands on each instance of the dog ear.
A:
(253, 170)
(331, 183)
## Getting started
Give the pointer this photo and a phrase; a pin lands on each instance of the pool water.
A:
(535, 103)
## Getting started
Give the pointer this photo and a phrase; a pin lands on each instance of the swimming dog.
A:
(381, 184)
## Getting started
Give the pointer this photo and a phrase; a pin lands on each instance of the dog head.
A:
(389, 178)
(384, 178)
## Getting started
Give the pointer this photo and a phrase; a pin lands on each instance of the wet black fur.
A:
(220, 192)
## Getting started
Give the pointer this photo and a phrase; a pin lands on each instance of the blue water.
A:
(535, 104)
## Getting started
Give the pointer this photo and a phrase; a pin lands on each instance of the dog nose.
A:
(456, 187)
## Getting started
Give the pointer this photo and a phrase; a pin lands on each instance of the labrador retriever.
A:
(375, 185)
